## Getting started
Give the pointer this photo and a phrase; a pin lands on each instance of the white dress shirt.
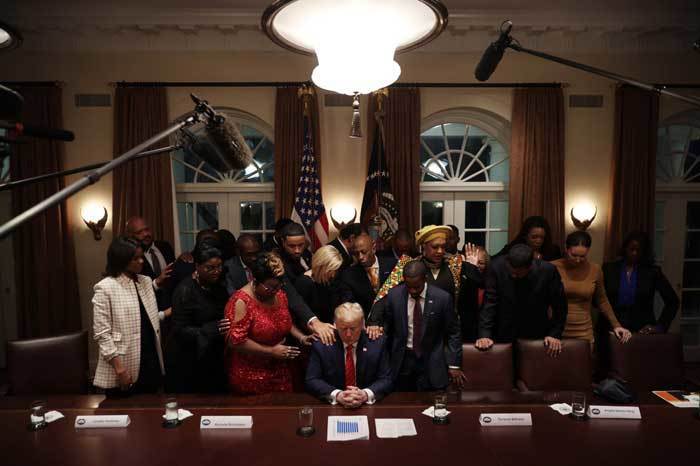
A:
(411, 307)
(334, 393)
(153, 250)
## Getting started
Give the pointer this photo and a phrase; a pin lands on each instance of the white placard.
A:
(614, 412)
(101, 422)
(226, 422)
(505, 419)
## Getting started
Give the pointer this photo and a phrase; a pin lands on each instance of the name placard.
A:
(505, 419)
(101, 422)
(226, 422)
(614, 412)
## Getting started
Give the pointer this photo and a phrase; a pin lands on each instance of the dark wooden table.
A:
(665, 435)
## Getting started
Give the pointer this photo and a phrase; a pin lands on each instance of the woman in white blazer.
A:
(127, 325)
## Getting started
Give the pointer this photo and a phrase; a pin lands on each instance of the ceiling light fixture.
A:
(354, 40)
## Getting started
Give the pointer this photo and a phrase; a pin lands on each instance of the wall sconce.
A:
(582, 215)
(344, 216)
(95, 217)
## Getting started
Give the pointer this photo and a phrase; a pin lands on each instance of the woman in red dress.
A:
(260, 322)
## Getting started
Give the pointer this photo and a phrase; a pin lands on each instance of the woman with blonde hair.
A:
(318, 286)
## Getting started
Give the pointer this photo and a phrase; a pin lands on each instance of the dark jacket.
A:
(472, 280)
(441, 343)
(326, 370)
(292, 267)
(164, 294)
(650, 279)
(236, 277)
(322, 299)
(355, 287)
(347, 258)
(518, 308)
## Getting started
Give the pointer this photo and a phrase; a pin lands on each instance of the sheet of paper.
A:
(181, 414)
(343, 428)
(562, 408)
(53, 416)
(430, 412)
(395, 428)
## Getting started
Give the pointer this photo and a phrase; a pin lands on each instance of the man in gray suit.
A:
(238, 267)
(422, 332)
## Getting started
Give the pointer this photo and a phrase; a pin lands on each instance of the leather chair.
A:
(48, 366)
(537, 371)
(648, 362)
(488, 370)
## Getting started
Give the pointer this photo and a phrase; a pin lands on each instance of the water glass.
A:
(37, 415)
(171, 417)
(578, 405)
(440, 409)
(306, 422)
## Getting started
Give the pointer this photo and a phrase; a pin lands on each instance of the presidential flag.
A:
(379, 208)
(309, 210)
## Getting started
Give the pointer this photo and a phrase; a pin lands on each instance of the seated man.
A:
(364, 377)
(519, 293)
(420, 322)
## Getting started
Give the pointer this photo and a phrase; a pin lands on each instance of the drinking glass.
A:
(578, 405)
(440, 409)
(306, 422)
(37, 415)
(171, 417)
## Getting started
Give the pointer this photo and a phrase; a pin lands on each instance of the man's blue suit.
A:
(326, 370)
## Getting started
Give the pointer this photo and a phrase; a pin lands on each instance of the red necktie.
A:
(349, 368)
(417, 326)
(480, 298)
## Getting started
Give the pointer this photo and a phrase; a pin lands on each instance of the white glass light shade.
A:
(92, 212)
(584, 212)
(354, 40)
(343, 213)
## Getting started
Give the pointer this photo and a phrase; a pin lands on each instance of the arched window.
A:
(677, 229)
(464, 164)
(241, 201)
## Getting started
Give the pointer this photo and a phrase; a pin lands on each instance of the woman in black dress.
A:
(196, 351)
(318, 286)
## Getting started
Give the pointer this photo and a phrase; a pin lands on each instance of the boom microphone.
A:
(18, 129)
(219, 142)
(493, 54)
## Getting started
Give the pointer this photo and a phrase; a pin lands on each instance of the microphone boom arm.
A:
(607, 74)
(94, 177)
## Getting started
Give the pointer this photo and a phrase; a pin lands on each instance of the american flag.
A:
(308, 204)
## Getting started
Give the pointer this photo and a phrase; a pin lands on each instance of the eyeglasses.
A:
(274, 289)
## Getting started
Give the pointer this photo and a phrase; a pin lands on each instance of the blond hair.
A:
(349, 312)
(324, 263)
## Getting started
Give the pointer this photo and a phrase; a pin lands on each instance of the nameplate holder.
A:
(614, 412)
(102, 422)
(505, 419)
(226, 422)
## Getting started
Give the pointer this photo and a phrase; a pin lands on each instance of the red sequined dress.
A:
(266, 325)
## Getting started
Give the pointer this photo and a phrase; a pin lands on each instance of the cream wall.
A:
(589, 132)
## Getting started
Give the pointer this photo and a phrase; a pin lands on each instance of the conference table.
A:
(664, 435)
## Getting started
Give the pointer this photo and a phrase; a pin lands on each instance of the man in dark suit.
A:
(354, 370)
(422, 332)
(359, 283)
(401, 244)
(237, 268)
(294, 252)
(344, 242)
(159, 258)
(519, 293)
(273, 242)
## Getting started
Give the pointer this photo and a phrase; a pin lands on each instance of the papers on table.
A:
(181, 414)
(678, 398)
(562, 408)
(395, 428)
(53, 416)
(430, 412)
(343, 428)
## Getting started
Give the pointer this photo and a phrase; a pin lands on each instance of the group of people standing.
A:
(350, 323)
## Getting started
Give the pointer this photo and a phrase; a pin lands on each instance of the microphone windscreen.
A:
(487, 65)
(232, 151)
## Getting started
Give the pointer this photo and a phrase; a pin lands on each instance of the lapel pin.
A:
(364, 349)
(430, 302)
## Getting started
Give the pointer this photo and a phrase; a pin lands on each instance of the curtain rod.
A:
(299, 83)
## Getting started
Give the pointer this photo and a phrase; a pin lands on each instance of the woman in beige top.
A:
(584, 285)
